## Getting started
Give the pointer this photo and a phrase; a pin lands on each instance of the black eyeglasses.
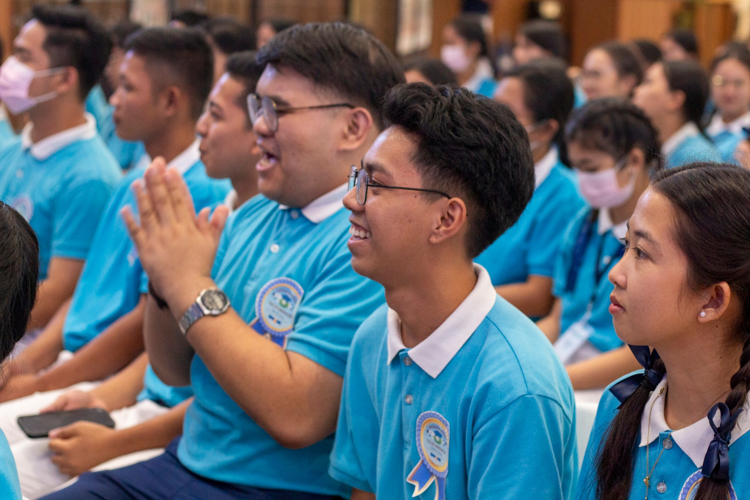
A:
(267, 107)
(359, 179)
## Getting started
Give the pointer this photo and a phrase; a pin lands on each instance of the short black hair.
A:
(229, 35)
(469, 27)
(650, 52)
(19, 272)
(190, 18)
(242, 66)
(433, 69)
(470, 147)
(122, 30)
(689, 77)
(75, 38)
(181, 57)
(340, 58)
(549, 35)
(685, 39)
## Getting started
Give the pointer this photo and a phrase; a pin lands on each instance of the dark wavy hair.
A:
(711, 203)
(19, 272)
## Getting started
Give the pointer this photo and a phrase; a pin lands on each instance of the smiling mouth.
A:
(359, 234)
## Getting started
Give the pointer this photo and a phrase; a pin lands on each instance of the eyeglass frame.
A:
(280, 112)
(353, 183)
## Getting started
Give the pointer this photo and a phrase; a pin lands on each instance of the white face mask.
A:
(535, 126)
(454, 56)
(602, 190)
(15, 79)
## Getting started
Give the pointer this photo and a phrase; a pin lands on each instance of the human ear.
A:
(675, 100)
(449, 220)
(356, 129)
(715, 302)
(67, 80)
(171, 99)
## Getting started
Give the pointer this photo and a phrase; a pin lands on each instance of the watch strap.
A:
(193, 314)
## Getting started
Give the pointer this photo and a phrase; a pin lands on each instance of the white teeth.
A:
(359, 233)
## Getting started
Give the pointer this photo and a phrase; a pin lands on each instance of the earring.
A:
(702, 314)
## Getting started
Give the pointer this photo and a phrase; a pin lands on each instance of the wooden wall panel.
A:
(591, 22)
(443, 12)
(645, 18)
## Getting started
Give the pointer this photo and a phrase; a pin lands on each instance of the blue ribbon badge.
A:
(433, 438)
(275, 309)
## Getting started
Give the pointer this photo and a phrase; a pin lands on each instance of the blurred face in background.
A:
(526, 51)
(599, 77)
(263, 34)
(672, 51)
(730, 89)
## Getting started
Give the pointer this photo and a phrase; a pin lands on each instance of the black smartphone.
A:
(38, 426)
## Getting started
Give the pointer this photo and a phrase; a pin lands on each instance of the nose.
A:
(260, 127)
(617, 273)
(350, 201)
(201, 127)
(114, 99)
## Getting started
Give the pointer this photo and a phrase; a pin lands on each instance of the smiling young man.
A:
(267, 383)
(60, 175)
(450, 392)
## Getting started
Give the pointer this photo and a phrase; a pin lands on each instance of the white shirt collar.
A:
(690, 129)
(3, 113)
(483, 72)
(182, 162)
(605, 223)
(693, 439)
(231, 200)
(717, 125)
(321, 208)
(54, 143)
(543, 167)
(435, 352)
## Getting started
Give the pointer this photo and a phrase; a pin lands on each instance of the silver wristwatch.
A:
(210, 302)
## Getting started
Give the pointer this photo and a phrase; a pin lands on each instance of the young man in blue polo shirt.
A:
(449, 392)
(267, 370)
(165, 79)
(59, 175)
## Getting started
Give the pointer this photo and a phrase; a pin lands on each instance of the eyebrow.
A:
(640, 233)
(278, 100)
(374, 167)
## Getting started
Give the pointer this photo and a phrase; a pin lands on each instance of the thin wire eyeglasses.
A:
(267, 107)
(361, 180)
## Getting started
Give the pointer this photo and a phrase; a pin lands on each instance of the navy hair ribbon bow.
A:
(716, 462)
(649, 379)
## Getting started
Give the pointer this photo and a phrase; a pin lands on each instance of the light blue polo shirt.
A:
(688, 145)
(110, 284)
(531, 245)
(61, 185)
(10, 487)
(587, 294)
(726, 136)
(262, 243)
(7, 134)
(126, 153)
(679, 468)
(491, 374)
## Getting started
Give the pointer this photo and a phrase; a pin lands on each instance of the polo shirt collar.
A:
(182, 162)
(688, 130)
(47, 147)
(693, 439)
(543, 167)
(435, 352)
(717, 125)
(605, 224)
(231, 200)
(321, 208)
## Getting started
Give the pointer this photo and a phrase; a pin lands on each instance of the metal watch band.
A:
(210, 302)
(193, 314)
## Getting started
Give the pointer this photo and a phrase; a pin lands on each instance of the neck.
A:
(466, 74)
(423, 302)
(173, 140)
(246, 188)
(699, 373)
(668, 126)
(55, 116)
(729, 118)
(540, 152)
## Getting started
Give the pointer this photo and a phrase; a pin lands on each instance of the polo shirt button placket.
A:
(661, 487)
(408, 399)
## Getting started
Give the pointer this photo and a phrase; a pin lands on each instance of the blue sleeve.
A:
(549, 231)
(10, 487)
(331, 312)
(348, 461)
(76, 216)
(525, 451)
(562, 262)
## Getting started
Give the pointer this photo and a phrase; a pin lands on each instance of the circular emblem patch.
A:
(24, 206)
(690, 488)
(433, 442)
(276, 306)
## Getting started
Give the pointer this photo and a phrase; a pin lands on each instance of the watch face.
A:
(215, 300)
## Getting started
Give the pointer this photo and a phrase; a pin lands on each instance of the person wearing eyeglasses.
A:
(730, 90)
(450, 391)
(259, 310)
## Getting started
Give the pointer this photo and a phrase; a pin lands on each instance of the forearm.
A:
(170, 354)
(533, 297)
(103, 356)
(51, 296)
(550, 324)
(361, 495)
(157, 432)
(122, 389)
(46, 348)
(602, 370)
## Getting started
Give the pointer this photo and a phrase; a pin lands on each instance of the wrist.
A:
(181, 300)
